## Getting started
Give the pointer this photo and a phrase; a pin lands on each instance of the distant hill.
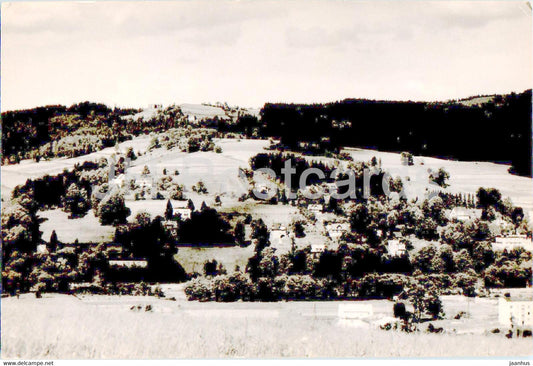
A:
(493, 128)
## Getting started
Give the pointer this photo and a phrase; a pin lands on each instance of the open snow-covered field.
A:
(62, 326)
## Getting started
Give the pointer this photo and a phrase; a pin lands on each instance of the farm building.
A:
(463, 214)
(515, 312)
(248, 233)
(512, 241)
(396, 248)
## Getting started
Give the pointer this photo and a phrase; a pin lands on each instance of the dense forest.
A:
(498, 130)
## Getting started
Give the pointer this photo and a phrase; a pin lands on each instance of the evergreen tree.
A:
(190, 205)
(53, 242)
(169, 211)
(75, 201)
(239, 233)
(261, 233)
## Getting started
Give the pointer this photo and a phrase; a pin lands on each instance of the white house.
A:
(181, 208)
(512, 241)
(248, 233)
(337, 229)
(42, 249)
(171, 226)
(185, 213)
(279, 237)
(317, 249)
(516, 312)
(315, 208)
(463, 214)
(128, 263)
(396, 248)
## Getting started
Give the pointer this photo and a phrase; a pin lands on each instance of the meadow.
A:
(62, 326)
(465, 176)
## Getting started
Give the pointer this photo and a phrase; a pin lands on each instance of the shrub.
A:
(440, 177)
(200, 188)
(112, 210)
(199, 289)
(407, 158)
(232, 288)
(301, 287)
(176, 192)
(399, 310)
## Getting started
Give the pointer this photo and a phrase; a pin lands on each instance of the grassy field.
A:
(465, 176)
(61, 326)
(13, 175)
(86, 229)
(193, 259)
(220, 174)
(218, 171)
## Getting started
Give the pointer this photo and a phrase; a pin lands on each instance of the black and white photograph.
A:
(266, 180)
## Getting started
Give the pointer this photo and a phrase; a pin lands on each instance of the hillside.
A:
(473, 101)
(495, 128)
(497, 131)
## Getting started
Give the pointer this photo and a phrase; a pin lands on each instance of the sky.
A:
(246, 53)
